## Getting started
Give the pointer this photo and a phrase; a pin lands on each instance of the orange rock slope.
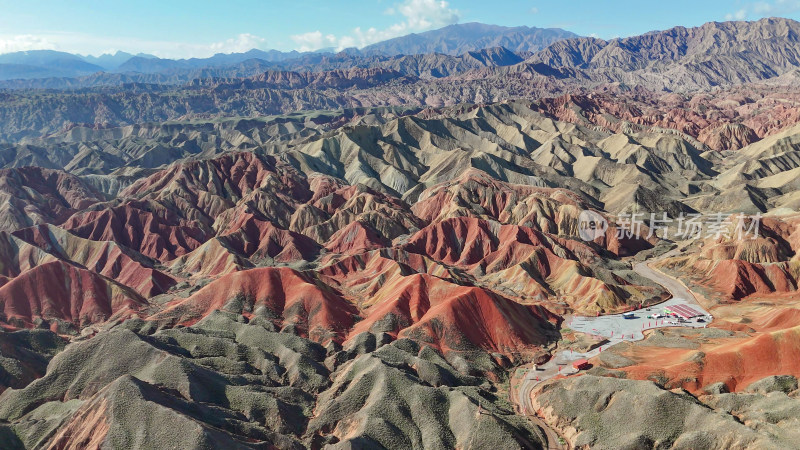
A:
(750, 287)
(736, 360)
(62, 292)
(733, 268)
(283, 295)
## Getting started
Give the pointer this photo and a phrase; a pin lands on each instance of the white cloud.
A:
(761, 9)
(24, 42)
(412, 16)
(313, 40)
(239, 44)
(418, 15)
(534, 10)
(94, 45)
(421, 14)
(738, 15)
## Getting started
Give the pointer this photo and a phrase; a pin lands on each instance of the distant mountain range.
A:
(676, 59)
(140, 64)
(716, 53)
(461, 38)
(452, 40)
(44, 63)
(112, 61)
(773, 43)
(432, 65)
(682, 60)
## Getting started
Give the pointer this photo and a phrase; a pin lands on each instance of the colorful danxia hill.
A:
(387, 248)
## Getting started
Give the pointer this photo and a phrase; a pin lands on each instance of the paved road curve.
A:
(613, 328)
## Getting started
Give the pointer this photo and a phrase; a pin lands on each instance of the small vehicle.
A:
(701, 320)
(628, 316)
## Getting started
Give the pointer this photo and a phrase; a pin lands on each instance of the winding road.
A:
(614, 329)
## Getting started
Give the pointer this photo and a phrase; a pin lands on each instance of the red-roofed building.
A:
(581, 364)
(685, 311)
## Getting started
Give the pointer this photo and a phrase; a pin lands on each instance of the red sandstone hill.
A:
(203, 190)
(221, 193)
(525, 263)
(323, 185)
(286, 296)
(210, 218)
(148, 228)
(388, 216)
(103, 257)
(359, 277)
(477, 194)
(356, 238)
(425, 307)
(734, 268)
(455, 318)
(33, 195)
(467, 242)
(61, 291)
(259, 239)
(555, 211)
(737, 279)
(17, 255)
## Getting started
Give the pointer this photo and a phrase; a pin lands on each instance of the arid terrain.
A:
(384, 248)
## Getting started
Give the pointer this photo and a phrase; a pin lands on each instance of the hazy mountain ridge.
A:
(675, 59)
(44, 63)
(426, 66)
(452, 40)
(462, 38)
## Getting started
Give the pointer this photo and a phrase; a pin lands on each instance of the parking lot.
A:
(617, 328)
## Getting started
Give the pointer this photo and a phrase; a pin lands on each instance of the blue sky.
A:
(181, 28)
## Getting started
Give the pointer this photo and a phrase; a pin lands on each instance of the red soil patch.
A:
(58, 290)
(160, 235)
(737, 362)
(105, 258)
(318, 312)
(256, 238)
(454, 317)
(356, 238)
